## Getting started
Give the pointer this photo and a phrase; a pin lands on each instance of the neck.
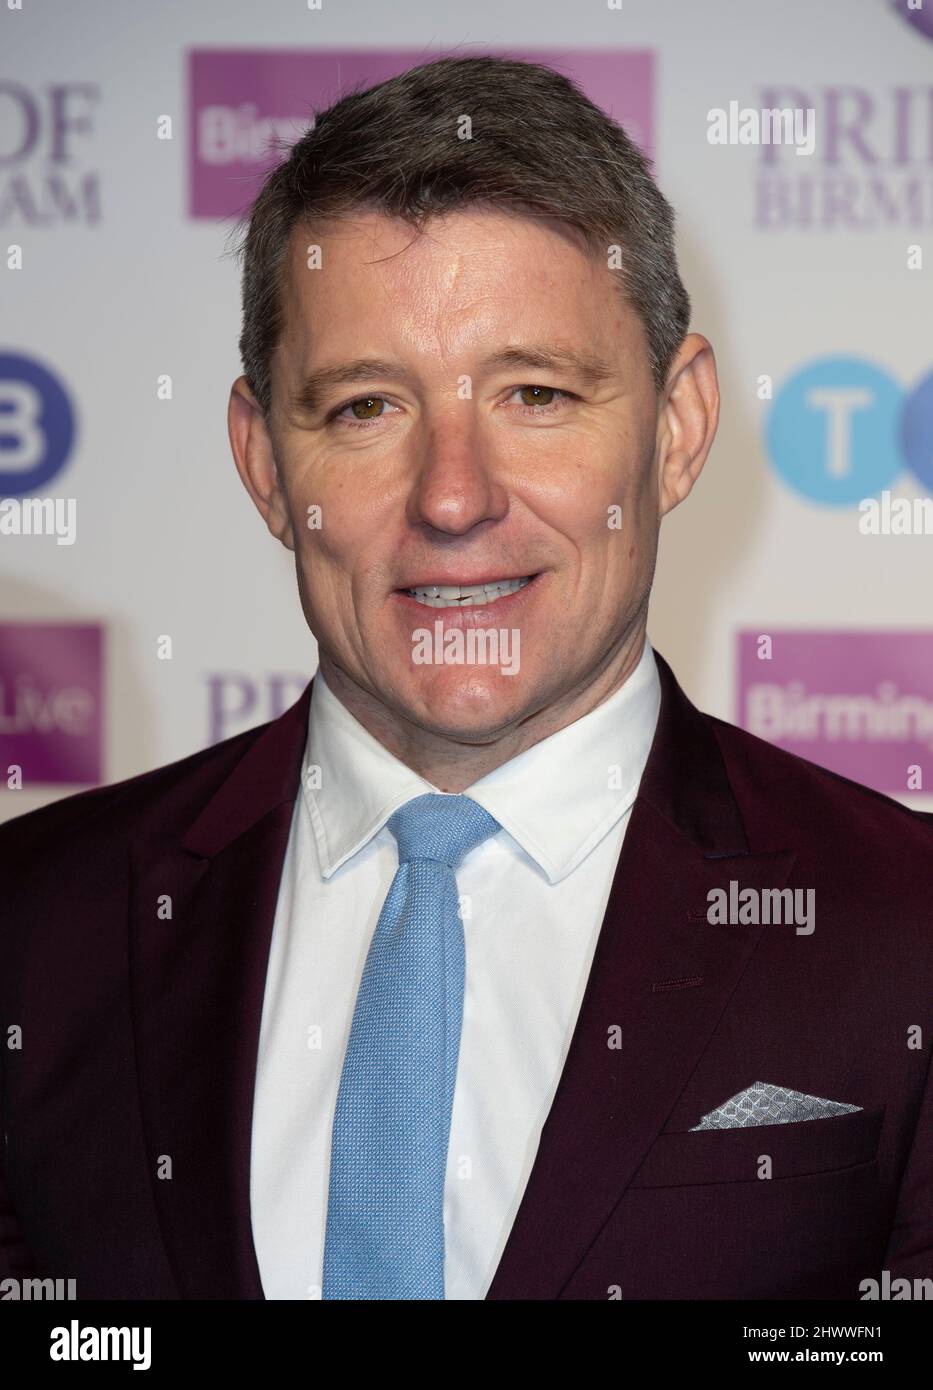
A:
(452, 764)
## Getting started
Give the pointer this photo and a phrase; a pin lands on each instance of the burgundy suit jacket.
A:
(139, 1034)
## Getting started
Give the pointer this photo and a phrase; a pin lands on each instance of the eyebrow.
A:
(588, 367)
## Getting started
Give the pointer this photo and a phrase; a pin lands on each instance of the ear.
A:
(255, 461)
(687, 420)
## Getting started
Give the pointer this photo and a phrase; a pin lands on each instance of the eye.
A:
(542, 400)
(365, 410)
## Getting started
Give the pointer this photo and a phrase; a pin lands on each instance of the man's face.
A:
(467, 458)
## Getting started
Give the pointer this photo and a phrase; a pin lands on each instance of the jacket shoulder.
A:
(781, 790)
(166, 798)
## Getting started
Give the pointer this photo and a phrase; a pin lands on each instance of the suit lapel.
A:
(197, 983)
(661, 977)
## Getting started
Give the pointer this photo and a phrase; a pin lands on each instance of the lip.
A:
(458, 579)
(474, 614)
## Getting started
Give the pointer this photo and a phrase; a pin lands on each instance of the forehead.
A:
(468, 273)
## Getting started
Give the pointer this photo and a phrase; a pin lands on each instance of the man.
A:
(493, 968)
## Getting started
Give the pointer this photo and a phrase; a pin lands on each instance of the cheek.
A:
(351, 506)
(624, 535)
(637, 501)
(332, 535)
(324, 579)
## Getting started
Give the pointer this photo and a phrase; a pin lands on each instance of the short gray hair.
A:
(538, 146)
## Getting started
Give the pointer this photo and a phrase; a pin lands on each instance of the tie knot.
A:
(439, 827)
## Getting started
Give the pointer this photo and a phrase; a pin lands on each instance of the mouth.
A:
(467, 595)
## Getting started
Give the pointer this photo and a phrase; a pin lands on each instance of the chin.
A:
(454, 700)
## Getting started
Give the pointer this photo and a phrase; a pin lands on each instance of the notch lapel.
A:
(685, 836)
(197, 983)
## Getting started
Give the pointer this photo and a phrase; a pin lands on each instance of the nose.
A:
(456, 483)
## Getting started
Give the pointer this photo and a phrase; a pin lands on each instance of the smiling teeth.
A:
(466, 595)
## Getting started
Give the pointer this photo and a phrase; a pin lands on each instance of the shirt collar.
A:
(557, 799)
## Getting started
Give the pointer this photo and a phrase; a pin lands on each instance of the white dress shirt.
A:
(533, 900)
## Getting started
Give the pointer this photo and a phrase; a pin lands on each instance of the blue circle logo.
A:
(833, 431)
(917, 431)
(37, 425)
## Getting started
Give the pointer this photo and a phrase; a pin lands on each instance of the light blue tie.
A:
(385, 1209)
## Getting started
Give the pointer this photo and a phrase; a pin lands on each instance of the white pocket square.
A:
(765, 1104)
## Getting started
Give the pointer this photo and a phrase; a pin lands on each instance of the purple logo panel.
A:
(858, 703)
(921, 19)
(51, 702)
(241, 99)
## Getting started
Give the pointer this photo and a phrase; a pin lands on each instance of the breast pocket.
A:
(694, 1158)
(772, 1211)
